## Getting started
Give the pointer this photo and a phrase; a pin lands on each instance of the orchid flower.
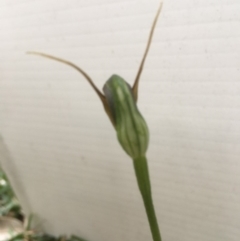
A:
(119, 100)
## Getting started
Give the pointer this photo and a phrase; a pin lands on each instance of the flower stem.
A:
(142, 174)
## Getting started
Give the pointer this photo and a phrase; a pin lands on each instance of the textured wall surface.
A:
(59, 147)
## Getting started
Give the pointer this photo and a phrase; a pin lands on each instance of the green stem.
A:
(142, 174)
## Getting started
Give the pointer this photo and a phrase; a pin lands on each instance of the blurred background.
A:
(58, 147)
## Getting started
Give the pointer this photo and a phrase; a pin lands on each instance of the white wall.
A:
(59, 147)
